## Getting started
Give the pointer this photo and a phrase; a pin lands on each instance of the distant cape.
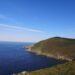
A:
(56, 47)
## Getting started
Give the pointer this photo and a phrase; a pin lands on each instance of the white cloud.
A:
(18, 27)
(22, 28)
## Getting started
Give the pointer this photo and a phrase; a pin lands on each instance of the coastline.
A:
(29, 49)
(39, 53)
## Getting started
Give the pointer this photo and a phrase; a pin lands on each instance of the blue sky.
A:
(35, 20)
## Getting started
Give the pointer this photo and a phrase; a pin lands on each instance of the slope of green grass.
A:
(62, 69)
(67, 68)
(57, 47)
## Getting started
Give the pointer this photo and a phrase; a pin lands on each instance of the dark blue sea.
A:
(14, 58)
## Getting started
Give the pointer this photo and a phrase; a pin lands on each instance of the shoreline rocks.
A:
(27, 47)
(21, 73)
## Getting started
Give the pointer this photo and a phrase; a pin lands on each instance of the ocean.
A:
(14, 58)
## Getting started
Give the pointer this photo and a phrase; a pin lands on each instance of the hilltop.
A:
(56, 47)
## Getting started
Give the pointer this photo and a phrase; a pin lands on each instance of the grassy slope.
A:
(56, 46)
(62, 69)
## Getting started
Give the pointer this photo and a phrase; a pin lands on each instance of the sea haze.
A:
(14, 58)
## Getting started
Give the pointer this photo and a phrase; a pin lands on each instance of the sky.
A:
(35, 20)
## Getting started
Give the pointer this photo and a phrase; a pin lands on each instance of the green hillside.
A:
(62, 69)
(61, 48)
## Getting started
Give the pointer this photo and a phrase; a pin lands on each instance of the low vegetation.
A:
(62, 69)
(61, 48)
